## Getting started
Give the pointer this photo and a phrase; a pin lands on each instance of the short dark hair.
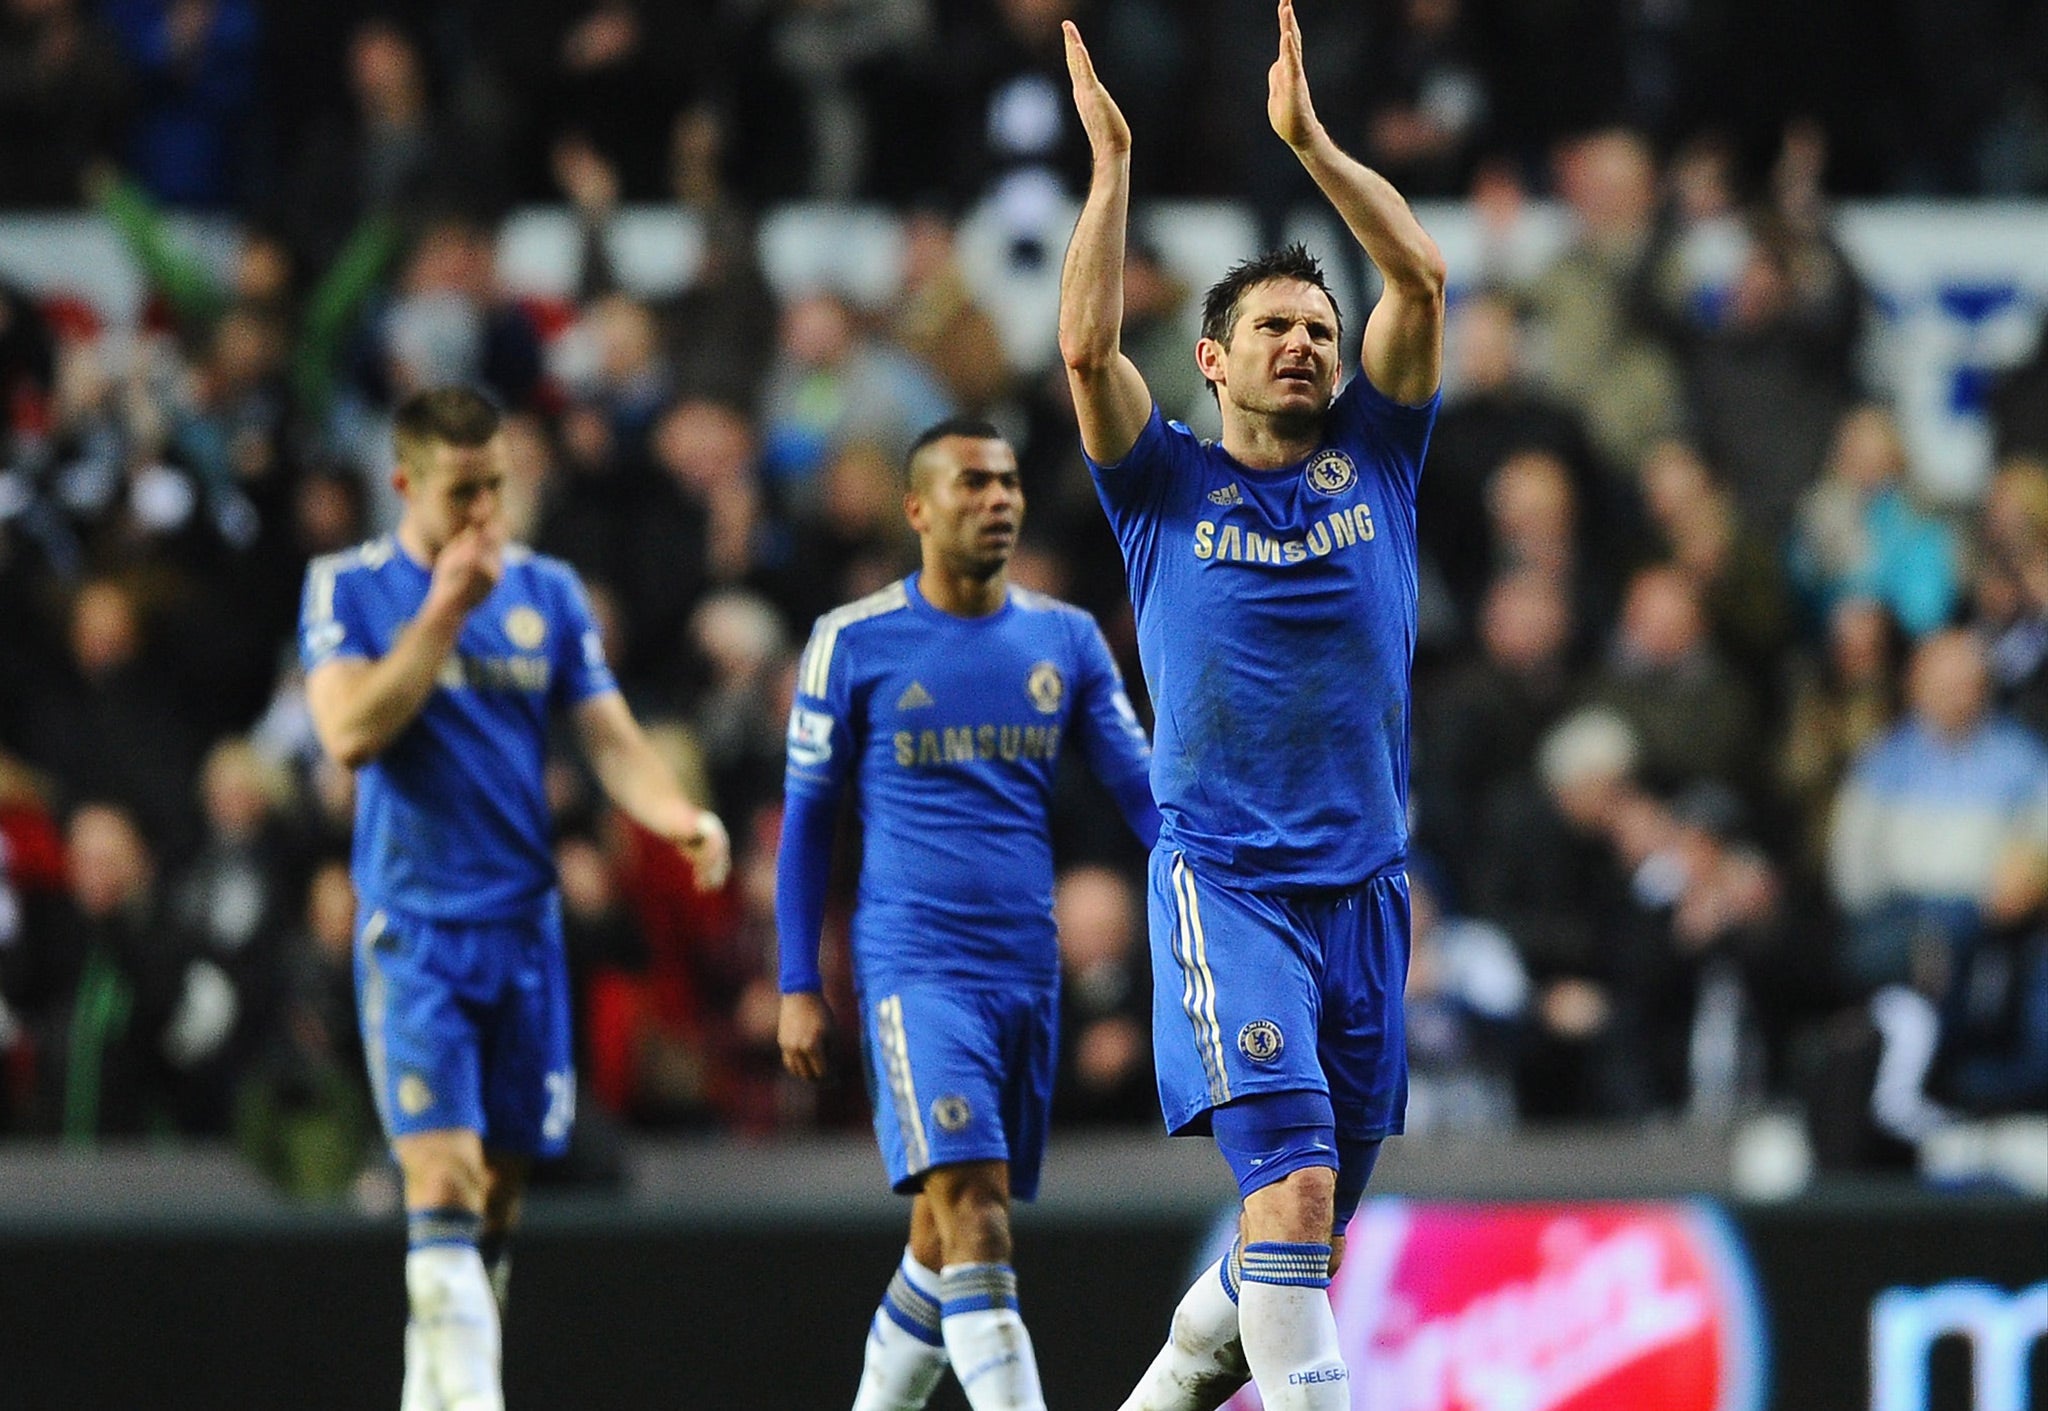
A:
(453, 415)
(1219, 305)
(974, 428)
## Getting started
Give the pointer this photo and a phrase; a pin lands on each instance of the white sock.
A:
(906, 1351)
(986, 1339)
(1202, 1364)
(1290, 1333)
(419, 1393)
(458, 1324)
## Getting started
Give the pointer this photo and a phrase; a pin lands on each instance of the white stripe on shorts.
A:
(895, 1043)
(375, 999)
(1198, 982)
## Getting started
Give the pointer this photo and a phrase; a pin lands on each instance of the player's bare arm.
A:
(1402, 354)
(359, 707)
(1111, 399)
(800, 1030)
(636, 778)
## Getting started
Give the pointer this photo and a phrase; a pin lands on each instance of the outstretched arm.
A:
(1404, 336)
(1111, 399)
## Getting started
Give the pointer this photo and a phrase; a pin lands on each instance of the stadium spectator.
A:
(195, 135)
(1706, 531)
(33, 884)
(1938, 822)
(1601, 349)
(1105, 1067)
(2009, 590)
(62, 91)
(815, 99)
(1556, 885)
(389, 153)
(1468, 1002)
(131, 1017)
(237, 896)
(1700, 956)
(303, 1114)
(937, 319)
(1860, 533)
(1159, 319)
(1479, 721)
(1693, 717)
(727, 300)
(1537, 522)
(831, 384)
(1494, 410)
(612, 74)
(1432, 98)
(1838, 707)
(113, 727)
(1771, 379)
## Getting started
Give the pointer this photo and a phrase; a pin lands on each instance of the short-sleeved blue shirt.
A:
(452, 818)
(1276, 623)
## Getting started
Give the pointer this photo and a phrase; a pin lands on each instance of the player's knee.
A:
(974, 1220)
(981, 1220)
(1298, 1208)
(442, 1174)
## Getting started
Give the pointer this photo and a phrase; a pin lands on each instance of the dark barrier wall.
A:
(607, 1314)
(641, 1318)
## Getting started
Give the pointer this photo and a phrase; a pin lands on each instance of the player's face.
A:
(970, 506)
(453, 489)
(1282, 357)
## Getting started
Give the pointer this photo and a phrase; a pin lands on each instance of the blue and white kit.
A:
(948, 731)
(459, 965)
(1276, 616)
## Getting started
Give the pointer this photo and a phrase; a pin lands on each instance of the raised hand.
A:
(1287, 102)
(1108, 134)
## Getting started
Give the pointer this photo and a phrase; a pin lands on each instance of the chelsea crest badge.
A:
(1331, 473)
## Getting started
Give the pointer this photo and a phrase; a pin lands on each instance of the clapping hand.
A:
(1287, 102)
(1109, 135)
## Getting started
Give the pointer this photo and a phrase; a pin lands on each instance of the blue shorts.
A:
(958, 1074)
(466, 1024)
(1257, 992)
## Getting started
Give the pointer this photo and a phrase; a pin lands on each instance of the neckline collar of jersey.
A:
(1276, 473)
(912, 586)
(400, 553)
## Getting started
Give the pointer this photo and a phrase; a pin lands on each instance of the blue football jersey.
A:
(1276, 624)
(949, 730)
(452, 818)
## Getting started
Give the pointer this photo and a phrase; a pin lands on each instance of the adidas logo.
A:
(914, 697)
(1228, 495)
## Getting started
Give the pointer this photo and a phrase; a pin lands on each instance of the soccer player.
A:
(944, 702)
(1274, 578)
(433, 657)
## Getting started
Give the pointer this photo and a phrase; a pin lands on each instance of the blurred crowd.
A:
(1729, 781)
